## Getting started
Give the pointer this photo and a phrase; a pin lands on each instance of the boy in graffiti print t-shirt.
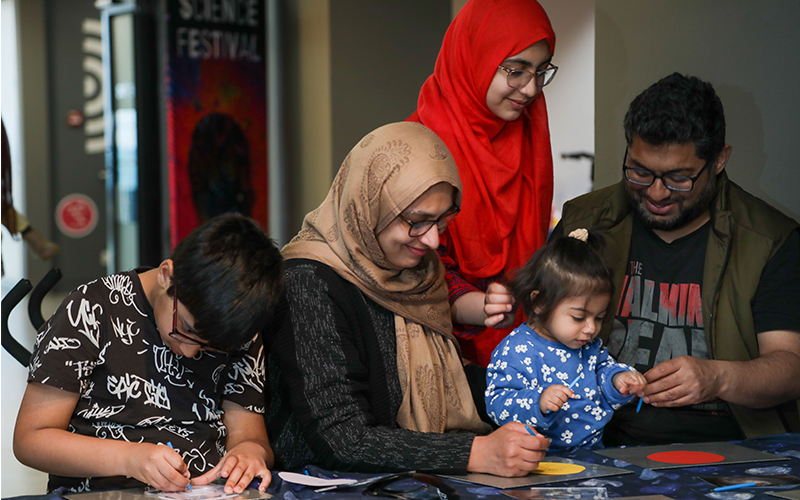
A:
(156, 376)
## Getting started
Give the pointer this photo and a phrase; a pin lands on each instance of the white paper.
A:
(207, 492)
(313, 481)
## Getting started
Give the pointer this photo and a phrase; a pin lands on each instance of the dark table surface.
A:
(680, 483)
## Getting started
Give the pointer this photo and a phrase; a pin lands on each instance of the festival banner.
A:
(216, 111)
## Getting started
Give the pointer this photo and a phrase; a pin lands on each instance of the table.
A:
(675, 483)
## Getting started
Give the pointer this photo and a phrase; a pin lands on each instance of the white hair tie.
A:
(580, 234)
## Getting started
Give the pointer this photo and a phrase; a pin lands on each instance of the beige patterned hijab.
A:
(384, 174)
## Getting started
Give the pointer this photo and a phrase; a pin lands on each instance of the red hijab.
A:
(506, 167)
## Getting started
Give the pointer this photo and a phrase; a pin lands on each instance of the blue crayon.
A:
(530, 431)
(639, 406)
(735, 486)
(572, 384)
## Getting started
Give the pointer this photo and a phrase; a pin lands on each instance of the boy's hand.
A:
(240, 465)
(554, 397)
(629, 382)
(159, 466)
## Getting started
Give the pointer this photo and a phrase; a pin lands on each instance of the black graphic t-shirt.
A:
(660, 317)
(103, 344)
(660, 313)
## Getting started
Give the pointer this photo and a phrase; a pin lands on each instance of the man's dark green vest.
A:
(745, 234)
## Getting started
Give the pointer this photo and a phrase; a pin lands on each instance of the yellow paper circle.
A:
(557, 469)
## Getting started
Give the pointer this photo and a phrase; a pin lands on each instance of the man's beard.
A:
(685, 215)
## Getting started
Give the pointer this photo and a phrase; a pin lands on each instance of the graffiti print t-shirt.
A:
(103, 344)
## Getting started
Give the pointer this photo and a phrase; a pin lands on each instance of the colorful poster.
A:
(216, 111)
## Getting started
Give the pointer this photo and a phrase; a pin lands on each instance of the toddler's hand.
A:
(159, 466)
(629, 382)
(554, 397)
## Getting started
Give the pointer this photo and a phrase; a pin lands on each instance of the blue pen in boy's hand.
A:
(188, 486)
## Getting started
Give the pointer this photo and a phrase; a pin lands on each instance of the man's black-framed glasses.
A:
(673, 182)
(417, 229)
(518, 78)
(185, 339)
(406, 485)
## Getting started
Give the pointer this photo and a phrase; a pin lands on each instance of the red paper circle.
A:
(686, 457)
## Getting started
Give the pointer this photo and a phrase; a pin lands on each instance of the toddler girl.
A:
(552, 372)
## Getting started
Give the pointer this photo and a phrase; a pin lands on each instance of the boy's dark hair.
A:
(675, 110)
(229, 275)
(564, 267)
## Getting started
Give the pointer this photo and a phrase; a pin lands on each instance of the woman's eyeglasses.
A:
(184, 339)
(518, 78)
(417, 229)
(407, 485)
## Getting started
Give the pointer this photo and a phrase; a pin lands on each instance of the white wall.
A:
(749, 51)
(16, 478)
(570, 97)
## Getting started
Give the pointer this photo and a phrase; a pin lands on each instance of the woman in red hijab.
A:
(484, 100)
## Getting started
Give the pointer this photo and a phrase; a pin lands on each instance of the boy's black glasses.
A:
(395, 486)
(175, 334)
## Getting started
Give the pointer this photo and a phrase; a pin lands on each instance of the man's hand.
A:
(681, 381)
(510, 451)
(498, 305)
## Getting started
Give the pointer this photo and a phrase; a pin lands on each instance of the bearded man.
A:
(708, 278)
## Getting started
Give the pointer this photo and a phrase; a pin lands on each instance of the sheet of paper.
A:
(313, 481)
(207, 492)
(789, 495)
(200, 493)
(588, 471)
(717, 453)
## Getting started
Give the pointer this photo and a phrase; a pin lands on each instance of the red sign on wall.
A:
(76, 215)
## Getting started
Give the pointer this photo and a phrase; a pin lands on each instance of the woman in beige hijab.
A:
(365, 373)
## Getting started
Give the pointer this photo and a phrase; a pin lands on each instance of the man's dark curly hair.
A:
(675, 110)
(229, 276)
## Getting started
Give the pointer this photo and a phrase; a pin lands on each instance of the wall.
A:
(381, 54)
(570, 98)
(749, 51)
(25, 111)
(354, 65)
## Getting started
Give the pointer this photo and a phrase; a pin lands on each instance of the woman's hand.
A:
(498, 306)
(554, 397)
(509, 451)
(240, 465)
(157, 465)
